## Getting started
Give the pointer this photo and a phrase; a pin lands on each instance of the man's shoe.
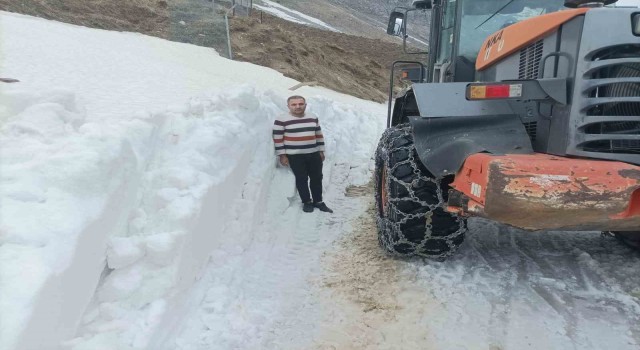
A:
(323, 207)
(307, 207)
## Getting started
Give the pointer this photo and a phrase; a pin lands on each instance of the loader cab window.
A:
(481, 18)
(447, 31)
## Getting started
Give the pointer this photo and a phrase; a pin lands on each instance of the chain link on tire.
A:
(410, 201)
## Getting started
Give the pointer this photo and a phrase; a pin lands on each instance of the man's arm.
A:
(319, 139)
(278, 142)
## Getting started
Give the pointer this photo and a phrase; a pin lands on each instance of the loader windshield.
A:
(481, 18)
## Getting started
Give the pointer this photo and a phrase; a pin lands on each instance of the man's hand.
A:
(284, 160)
(322, 155)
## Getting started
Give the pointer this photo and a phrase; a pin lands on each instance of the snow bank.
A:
(198, 165)
(206, 189)
(63, 188)
(115, 187)
(154, 191)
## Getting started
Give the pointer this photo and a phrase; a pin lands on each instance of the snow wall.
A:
(105, 225)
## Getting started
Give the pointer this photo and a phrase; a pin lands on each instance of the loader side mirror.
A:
(396, 23)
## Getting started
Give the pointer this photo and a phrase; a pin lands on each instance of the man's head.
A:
(297, 105)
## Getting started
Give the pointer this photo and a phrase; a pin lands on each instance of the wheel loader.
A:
(526, 112)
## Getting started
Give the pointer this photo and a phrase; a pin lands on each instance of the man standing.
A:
(299, 144)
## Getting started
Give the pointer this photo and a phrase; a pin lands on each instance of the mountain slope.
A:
(361, 17)
(352, 65)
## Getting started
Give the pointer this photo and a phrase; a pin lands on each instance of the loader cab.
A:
(459, 27)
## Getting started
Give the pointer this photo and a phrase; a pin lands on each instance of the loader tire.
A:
(630, 238)
(410, 201)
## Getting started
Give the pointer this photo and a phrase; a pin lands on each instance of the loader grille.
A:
(530, 61)
(611, 122)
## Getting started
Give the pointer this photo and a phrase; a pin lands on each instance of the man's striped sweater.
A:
(297, 135)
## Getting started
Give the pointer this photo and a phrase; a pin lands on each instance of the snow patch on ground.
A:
(293, 16)
(280, 14)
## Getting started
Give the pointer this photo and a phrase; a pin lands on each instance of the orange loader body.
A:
(540, 191)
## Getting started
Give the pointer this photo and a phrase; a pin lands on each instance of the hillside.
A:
(347, 63)
(354, 65)
(149, 17)
(361, 17)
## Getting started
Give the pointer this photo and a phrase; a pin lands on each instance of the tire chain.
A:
(391, 228)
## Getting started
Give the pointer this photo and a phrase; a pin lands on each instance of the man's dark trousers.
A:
(307, 169)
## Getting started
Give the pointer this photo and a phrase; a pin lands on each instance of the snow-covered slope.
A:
(127, 160)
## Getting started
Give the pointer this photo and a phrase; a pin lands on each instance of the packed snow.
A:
(141, 208)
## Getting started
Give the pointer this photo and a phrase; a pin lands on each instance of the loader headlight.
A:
(635, 24)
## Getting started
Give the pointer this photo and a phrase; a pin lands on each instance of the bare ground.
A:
(149, 17)
(362, 273)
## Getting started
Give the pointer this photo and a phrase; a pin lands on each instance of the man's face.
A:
(297, 106)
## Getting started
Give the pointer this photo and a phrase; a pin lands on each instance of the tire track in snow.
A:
(530, 264)
(585, 277)
(552, 269)
(500, 300)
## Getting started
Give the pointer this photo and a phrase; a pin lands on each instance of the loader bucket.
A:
(540, 191)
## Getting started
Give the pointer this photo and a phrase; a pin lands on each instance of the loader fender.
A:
(443, 144)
